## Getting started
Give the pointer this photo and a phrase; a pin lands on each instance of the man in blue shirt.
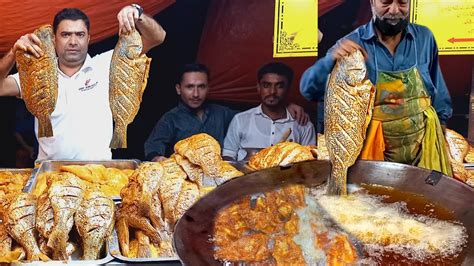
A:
(412, 100)
(194, 115)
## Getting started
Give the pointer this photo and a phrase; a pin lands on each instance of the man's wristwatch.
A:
(139, 9)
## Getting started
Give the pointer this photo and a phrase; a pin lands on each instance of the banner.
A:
(451, 21)
(295, 31)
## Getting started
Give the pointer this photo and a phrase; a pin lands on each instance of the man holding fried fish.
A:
(75, 97)
(412, 103)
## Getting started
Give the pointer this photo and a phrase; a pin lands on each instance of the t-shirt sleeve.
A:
(16, 77)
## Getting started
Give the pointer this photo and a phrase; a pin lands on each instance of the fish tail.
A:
(45, 129)
(337, 181)
(119, 139)
(58, 242)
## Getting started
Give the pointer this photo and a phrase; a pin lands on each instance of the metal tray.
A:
(114, 250)
(53, 165)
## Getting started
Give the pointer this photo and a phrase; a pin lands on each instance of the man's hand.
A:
(127, 18)
(158, 158)
(29, 43)
(346, 47)
(298, 113)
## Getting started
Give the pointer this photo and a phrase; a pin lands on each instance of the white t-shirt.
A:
(254, 129)
(82, 120)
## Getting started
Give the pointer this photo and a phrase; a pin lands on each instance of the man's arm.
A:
(231, 141)
(152, 33)
(29, 43)
(314, 79)
(160, 138)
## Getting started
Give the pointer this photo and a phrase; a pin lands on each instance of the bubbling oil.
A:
(398, 227)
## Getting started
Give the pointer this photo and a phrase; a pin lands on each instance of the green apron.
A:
(411, 129)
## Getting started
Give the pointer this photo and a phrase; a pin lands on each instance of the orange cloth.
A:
(374, 145)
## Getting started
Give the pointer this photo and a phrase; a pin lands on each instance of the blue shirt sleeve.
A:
(314, 80)
(160, 138)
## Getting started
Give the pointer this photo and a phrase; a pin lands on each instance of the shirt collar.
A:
(369, 31)
(288, 117)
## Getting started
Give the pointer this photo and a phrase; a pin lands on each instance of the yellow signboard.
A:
(296, 28)
(451, 21)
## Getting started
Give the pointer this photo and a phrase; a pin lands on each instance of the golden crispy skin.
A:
(458, 148)
(21, 225)
(203, 150)
(193, 171)
(44, 216)
(348, 111)
(39, 80)
(128, 78)
(280, 154)
(65, 196)
(94, 222)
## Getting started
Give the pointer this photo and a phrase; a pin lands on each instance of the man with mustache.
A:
(270, 122)
(412, 103)
(194, 115)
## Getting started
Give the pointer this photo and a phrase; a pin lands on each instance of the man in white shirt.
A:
(270, 122)
(82, 120)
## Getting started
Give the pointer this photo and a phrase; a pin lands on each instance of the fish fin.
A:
(45, 129)
(119, 138)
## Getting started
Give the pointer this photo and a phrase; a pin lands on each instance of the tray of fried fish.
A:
(69, 222)
(140, 247)
(108, 176)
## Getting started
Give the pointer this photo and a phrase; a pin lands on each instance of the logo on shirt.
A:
(88, 85)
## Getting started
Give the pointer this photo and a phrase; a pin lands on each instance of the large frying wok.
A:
(194, 229)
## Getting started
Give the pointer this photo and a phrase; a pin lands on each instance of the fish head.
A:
(354, 67)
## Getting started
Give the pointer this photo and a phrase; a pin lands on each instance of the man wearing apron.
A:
(412, 101)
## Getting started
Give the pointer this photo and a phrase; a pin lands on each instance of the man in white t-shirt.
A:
(270, 122)
(82, 120)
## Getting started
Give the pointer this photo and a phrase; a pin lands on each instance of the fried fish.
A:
(128, 78)
(39, 80)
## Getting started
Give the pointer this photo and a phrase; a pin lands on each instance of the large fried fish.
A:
(65, 197)
(348, 110)
(39, 80)
(94, 222)
(21, 225)
(128, 77)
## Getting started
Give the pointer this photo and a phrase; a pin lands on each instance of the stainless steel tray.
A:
(53, 165)
(114, 250)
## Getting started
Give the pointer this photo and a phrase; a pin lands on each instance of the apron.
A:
(405, 127)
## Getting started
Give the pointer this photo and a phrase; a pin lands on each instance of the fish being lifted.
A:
(128, 78)
(39, 80)
(348, 111)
